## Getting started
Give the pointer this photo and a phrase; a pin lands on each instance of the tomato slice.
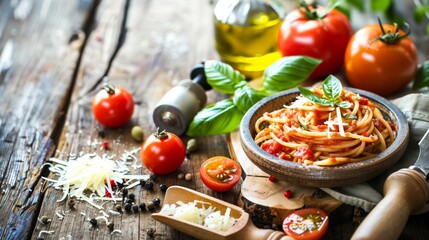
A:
(306, 224)
(220, 173)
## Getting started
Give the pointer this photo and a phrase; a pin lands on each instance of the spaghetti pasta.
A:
(325, 135)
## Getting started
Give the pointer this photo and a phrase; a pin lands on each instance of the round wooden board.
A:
(264, 200)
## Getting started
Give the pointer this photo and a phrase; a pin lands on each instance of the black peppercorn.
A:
(131, 196)
(162, 187)
(124, 192)
(93, 222)
(142, 182)
(128, 207)
(156, 202)
(148, 185)
(150, 232)
(72, 204)
(110, 226)
(44, 220)
(101, 133)
(142, 206)
(129, 200)
(135, 208)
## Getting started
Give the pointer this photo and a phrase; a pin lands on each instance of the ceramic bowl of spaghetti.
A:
(319, 137)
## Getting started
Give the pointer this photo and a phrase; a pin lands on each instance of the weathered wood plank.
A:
(33, 93)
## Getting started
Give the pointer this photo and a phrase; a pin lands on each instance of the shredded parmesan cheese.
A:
(91, 174)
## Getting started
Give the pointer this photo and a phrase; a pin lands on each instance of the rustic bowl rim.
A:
(333, 176)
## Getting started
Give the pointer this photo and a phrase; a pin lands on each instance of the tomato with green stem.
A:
(220, 173)
(306, 224)
(381, 59)
(113, 107)
(163, 152)
(317, 32)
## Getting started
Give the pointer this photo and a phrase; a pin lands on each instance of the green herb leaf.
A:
(332, 87)
(343, 104)
(349, 116)
(422, 77)
(222, 77)
(245, 97)
(314, 98)
(288, 72)
(221, 117)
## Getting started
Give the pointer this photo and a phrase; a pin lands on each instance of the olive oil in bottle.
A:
(246, 34)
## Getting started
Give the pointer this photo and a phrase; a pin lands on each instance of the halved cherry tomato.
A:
(306, 224)
(113, 107)
(220, 173)
(380, 59)
(310, 32)
(163, 152)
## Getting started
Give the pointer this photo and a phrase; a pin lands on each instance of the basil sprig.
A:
(332, 89)
(225, 116)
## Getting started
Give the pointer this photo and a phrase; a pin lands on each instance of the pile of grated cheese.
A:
(207, 217)
(89, 176)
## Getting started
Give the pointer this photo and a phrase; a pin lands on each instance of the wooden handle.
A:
(251, 232)
(405, 192)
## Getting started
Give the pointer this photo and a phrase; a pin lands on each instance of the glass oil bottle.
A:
(246, 34)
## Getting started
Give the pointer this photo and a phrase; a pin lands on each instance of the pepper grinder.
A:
(179, 105)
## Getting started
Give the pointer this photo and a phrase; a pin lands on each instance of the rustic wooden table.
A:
(59, 49)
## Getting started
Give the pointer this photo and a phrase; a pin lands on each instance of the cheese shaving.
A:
(337, 121)
(89, 177)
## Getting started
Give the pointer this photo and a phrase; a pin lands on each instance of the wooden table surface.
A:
(59, 50)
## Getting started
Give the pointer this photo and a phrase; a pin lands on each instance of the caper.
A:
(137, 133)
(192, 145)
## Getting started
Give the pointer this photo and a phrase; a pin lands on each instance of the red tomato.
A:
(163, 152)
(306, 224)
(378, 66)
(220, 173)
(113, 107)
(321, 37)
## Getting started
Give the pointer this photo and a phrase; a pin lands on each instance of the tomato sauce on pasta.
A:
(314, 134)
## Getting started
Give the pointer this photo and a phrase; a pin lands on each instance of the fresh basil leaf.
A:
(332, 87)
(343, 104)
(288, 72)
(349, 116)
(245, 97)
(221, 117)
(222, 77)
(422, 77)
(314, 98)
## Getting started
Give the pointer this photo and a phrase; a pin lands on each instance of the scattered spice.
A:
(149, 185)
(118, 208)
(272, 179)
(72, 204)
(137, 133)
(142, 182)
(188, 177)
(131, 196)
(101, 133)
(150, 206)
(287, 194)
(128, 207)
(156, 202)
(152, 176)
(192, 145)
(45, 220)
(163, 187)
(93, 222)
(105, 145)
(110, 226)
(135, 208)
(142, 206)
(151, 232)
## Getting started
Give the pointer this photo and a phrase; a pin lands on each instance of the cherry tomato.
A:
(378, 61)
(306, 224)
(163, 152)
(113, 107)
(307, 31)
(220, 173)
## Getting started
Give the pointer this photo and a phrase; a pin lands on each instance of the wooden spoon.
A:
(242, 229)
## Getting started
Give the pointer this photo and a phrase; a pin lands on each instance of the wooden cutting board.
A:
(264, 200)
